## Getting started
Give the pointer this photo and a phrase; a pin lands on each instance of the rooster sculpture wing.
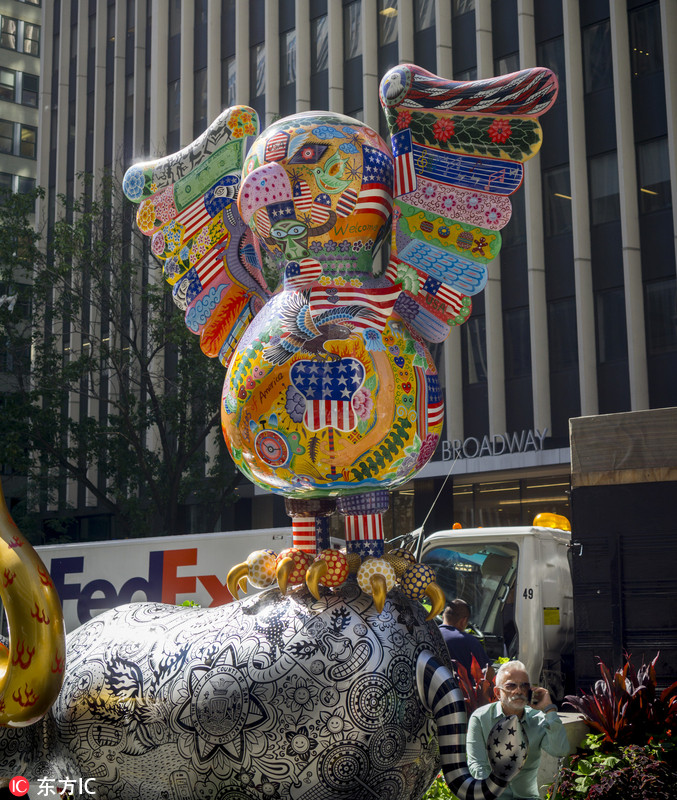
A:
(188, 206)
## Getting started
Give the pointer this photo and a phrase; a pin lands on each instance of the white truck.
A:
(517, 581)
(94, 576)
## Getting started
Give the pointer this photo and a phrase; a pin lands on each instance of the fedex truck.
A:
(94, 576)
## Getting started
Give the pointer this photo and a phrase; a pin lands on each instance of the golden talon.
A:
(242, 583)
(235, 576)
(284, 570)
(314, 574)
(437, 600)
(379, 590)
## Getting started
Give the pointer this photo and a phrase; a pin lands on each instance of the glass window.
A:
(387, 22)
(228, 82)
(507, 64)
(597, 69)
(173, 106)
(424, 14)
(6, 180)
(319, 44)
(174, 17)
(129, 96)
(474, 335)
(517, 343)
(6, 136)
(258, 70)
(30, 85)
(7, 84)
(28, 141)
(288, 58)
(654, 175)
(515, 232)
(562, 336)
(462, 7)
(200, 100)
(550, 54)
(352, 30)
(611, 328)
(556, 201)
(646, 51)
(604, 198)
(8, 28)
(466, 74)
(31, 39)
(660, 303)
(25, 185)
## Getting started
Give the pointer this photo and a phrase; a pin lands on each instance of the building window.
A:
(352, 30)
(660, 303)
(174, 18)
(466, 74)
(31, 39)
(597, 68)
(550, 54)
(462, 7)
(654, 175)
(28, 141)
(562, 336)
(7, 84)
(228, 82)
(174, 107)
(30, 86)
(424, 15)
(199, 101)
(515, 232)
(605, 203)
(258, 70)
(646, 51)
(517, 343)
(6, 137)
(474, 336)
(288, 58)
(507, 64)
(319, 45)
(6, 180)
(8, 29)
(387, 22)
(611, 329)
(556, 201)
(24, 185)
(129, 96)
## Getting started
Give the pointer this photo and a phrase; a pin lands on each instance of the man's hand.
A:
(540, 699)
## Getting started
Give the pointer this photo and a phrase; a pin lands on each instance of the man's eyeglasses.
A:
(510, 686)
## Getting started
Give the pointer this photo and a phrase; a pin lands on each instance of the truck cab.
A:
(517, 582)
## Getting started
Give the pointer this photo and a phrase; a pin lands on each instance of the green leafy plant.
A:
(439, 790)
(626, 707)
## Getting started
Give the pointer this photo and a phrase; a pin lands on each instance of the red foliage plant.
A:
(477, 686)
(626, 706)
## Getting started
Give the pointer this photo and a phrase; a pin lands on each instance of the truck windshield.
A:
(482, 575)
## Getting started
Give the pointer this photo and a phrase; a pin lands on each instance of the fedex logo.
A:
(162, 585)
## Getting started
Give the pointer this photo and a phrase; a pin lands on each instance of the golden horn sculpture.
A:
(32, 670)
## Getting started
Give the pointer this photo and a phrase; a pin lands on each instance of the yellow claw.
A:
(284, 570)
(237, 575)
(315, 572)
(242, 583)
(437, 600)
(379, 590)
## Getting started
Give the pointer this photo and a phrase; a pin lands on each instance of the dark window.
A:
(7, 84)
(507, 64)
(604, 198)
(462, 7)
(424, 15)
(258, 70)
(174, 107)
(611, 329)
(129, 96)
(556, 201)
(319, 45)
(653, 175)
(174, 18)
(6, 180)
(28, 141)
(6, 137)
(25, 185)
(562, 337)
(288, 58)
(515, 232)
(517, 343)
(474, 336)
(387, 22)
(199, 101)
(597, 67)
(352, 31)
(228, 82)
(31, 39)
(30, 85)
(8, 30)
(646, 52)
(660, 299)
(550, 54)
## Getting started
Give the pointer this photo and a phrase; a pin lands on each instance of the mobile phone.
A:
(530, 695)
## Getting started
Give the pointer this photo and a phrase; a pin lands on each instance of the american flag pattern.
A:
(380, 301)
(376, 191)
(328, 388)
(454, 302)
(364, 534)
(299, 274)
(429, 401)
(303, 197)
(441, 696)
(346, 203)
(405, 172)
(303, 534)
(276, 146)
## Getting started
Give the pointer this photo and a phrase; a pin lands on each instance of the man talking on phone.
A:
(539, 718)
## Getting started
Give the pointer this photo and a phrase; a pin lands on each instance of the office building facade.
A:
(578, 316)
